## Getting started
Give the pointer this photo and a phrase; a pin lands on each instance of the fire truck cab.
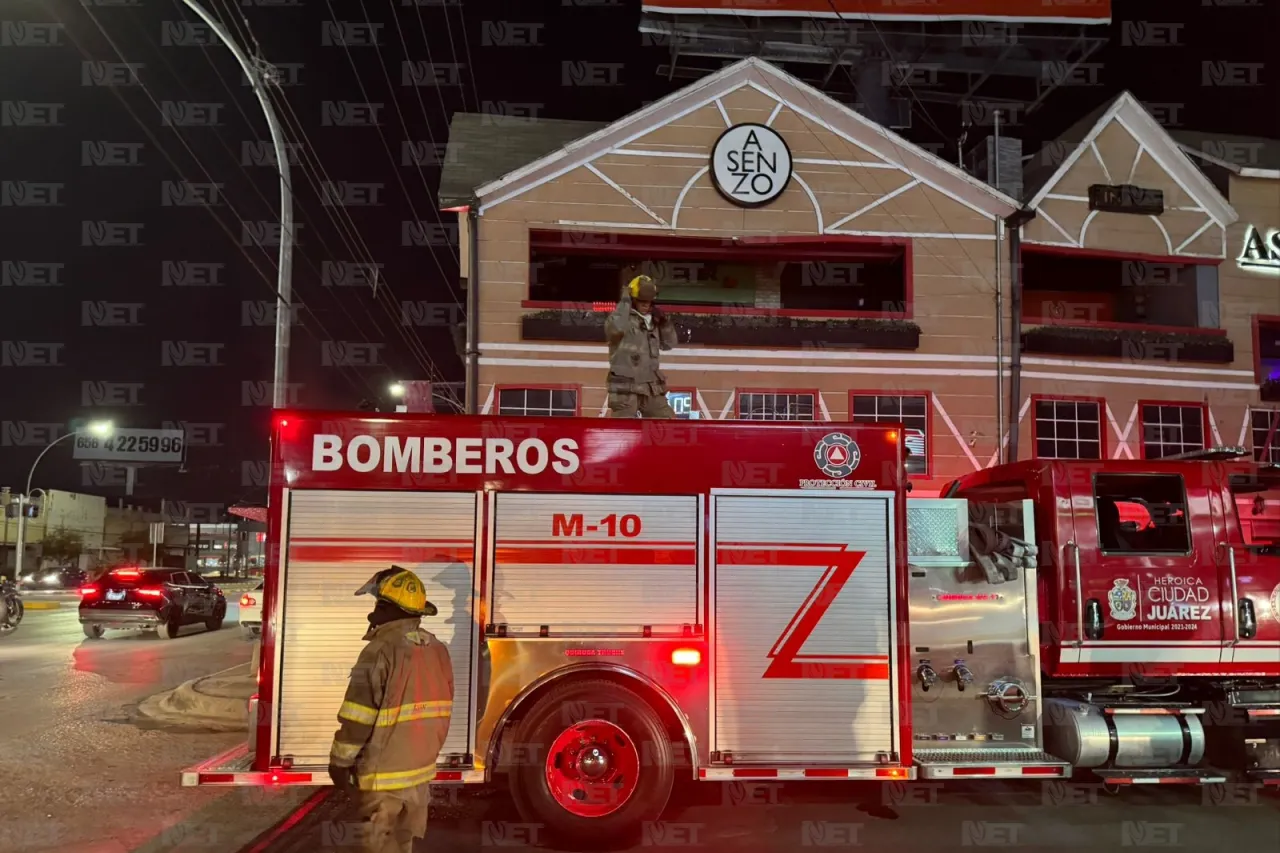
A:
(626, 601)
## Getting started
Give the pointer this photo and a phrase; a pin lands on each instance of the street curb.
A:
(41, 605)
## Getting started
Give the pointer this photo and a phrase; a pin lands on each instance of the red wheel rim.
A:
(592, 768)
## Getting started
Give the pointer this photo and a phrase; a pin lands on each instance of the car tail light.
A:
(686, 657)
(247, 601)
(88, 591)
(127, 573)
(151, 591)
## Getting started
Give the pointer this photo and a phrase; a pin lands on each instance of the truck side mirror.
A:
(1093, 619)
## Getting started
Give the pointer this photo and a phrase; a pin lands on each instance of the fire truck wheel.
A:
(597, 763)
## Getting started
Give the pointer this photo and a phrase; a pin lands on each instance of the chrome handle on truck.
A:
(1075, 551)
(1235, 592)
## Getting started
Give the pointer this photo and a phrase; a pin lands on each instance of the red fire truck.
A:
(628, 600)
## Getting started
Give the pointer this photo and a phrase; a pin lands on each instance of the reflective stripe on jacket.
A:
(395, 716)
(634, 346)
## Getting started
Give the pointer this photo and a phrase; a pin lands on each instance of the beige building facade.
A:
(819, 266)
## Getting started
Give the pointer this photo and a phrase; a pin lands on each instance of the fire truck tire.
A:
(587, 728)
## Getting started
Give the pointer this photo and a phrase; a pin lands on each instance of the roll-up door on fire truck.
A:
(578, 563)
(337, 541)
(804, 627)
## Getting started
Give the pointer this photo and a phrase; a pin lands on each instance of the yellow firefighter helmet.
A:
(643, 288)
(400, 587)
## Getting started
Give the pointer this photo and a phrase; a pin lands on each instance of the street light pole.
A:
(257, 73)
(25, 498)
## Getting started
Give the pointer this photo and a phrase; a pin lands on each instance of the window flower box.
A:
(738, 330)
(1130, 344)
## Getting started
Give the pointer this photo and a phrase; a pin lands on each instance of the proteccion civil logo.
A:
(837, 455)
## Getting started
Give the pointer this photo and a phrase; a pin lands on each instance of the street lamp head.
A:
(396, 389)
(101, 429)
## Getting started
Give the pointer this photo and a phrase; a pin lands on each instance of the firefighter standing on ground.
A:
(395, 716)
(637, 332)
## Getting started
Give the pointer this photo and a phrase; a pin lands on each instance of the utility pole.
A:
(259, 73)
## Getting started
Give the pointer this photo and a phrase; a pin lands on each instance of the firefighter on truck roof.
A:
(395, 716)
(637, 331)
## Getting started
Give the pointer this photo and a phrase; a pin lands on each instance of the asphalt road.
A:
(78, 774)
(780, 818)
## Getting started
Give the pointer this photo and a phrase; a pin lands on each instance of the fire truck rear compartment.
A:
(336, 541)
(805, 652)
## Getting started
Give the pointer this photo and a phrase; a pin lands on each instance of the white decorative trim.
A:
(1244, 426)
(582, 223)
(1088, 220)
(1121, 438)
(1167, 242)
(591, 167)
(586, 141)
(1137, 158)
(822, 407)
(702, 404)
(1125, 380)
(644, 152)
(1058, 197)
(602, 363)
(777, 108)
(704, 352)
(1124, 436)
(1195, 208)
(916, 234)
(813, 199)
(488, 401)
(885, 134)
(731, 9)
(848, 164)
(1213, 425)
(946, 419)
(1187, 242)
(688, 185)
(899, 191)
(1004, 442)
(728, 406)
(1054, 223)
(1210, 371)
(1155, 155)
(1066, 165)
(723, 113)
(1106, 173)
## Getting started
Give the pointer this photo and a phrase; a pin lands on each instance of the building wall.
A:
(954, 263)
(81, 514)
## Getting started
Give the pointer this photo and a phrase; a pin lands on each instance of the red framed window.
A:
(1068, 427)
(1168, 429)
(913, 409)
(762, 405)
(1266, 348)
(563, 401)
(1264, 435)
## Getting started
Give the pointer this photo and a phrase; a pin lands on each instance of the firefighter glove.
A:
(344, 778)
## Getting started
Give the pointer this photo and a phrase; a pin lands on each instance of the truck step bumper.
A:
(990, 764)
(1173, 776)
(235, 767)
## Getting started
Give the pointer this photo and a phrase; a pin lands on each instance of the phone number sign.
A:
(133, 445)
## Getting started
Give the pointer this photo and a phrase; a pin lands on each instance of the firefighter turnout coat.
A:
(395, 716)
(634, 348)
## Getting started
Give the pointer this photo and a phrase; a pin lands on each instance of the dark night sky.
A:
(525, 78)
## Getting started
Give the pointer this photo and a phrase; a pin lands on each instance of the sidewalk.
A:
(218, 702)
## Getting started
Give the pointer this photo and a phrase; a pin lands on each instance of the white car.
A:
(251, 612)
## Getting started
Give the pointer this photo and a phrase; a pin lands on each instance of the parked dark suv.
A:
(158, 599)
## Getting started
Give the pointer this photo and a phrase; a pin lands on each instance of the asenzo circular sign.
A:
(750, 165)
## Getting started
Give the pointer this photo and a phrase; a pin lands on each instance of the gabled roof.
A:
(1224, 149)
(1041, 167)
(1153, 138)
(483, 148)
(775, 83)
